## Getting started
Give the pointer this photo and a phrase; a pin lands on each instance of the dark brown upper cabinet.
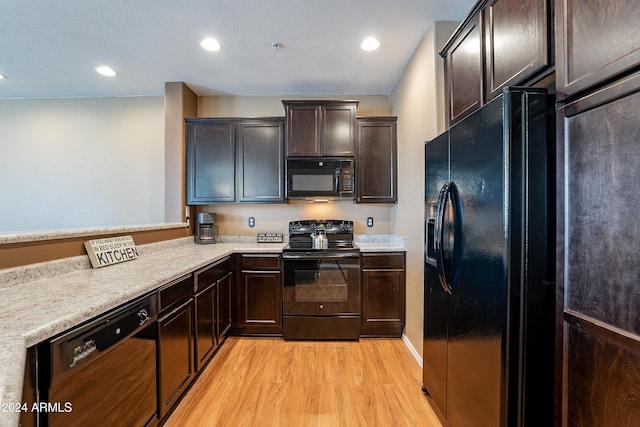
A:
(235, 160)
(210, 169)
(464, 59)
(320, 128)
(518, 42)
(260, 145)
(596, 41)
(500, 43)
(377, 166)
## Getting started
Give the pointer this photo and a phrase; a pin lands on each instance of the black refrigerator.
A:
(488, 355)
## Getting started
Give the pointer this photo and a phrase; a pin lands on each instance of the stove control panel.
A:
(332, 226)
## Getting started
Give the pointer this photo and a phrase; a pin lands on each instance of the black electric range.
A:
(321, 287)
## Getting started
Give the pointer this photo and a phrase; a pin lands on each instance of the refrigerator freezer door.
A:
(436, 308)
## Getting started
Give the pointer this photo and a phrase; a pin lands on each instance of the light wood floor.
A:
(273, 382)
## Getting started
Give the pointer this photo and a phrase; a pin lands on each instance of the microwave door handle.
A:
(337, 180)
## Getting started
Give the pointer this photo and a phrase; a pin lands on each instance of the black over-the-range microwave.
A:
(320, 178)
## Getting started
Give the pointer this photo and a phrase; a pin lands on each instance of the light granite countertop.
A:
(380, 243)
(40, 301)
(35, 236)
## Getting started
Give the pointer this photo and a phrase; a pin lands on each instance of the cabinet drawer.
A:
(212, 273)
(261, 262)
(175, 291)
(383, 260)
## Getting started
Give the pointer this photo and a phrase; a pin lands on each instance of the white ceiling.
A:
(50, 48)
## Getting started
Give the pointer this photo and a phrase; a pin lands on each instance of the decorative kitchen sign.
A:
(103, 252)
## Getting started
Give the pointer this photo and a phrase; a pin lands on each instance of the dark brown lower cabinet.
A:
(212, 307)
(205, 327)
(598, 268)
(175, 342)
(383, 294)
(175, 355)
(223, 308)
(29, 389)
(259, 295)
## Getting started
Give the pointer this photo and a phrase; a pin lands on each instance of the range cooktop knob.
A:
(329, 225)
(313, 225)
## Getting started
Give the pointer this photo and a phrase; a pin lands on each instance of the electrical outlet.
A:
(370, 221)
(252, 222)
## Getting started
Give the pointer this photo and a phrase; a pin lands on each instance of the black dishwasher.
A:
(103, 373)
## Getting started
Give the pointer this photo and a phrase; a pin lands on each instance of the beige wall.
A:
(233, 219)
(418, 102)
(265, 106)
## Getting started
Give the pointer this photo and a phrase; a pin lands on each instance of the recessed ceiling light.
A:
(2, 77)
(210, 44)
(370, 43)
(106, 71)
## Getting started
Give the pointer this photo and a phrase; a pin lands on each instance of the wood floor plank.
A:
(270, 382)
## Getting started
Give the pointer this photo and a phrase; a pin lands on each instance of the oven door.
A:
(321, 284)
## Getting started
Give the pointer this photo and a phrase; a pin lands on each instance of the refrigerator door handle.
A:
(443, 198)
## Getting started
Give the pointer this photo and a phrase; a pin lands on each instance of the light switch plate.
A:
(370, 221)
(252, 221)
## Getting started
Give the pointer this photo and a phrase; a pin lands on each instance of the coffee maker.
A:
(206, 228)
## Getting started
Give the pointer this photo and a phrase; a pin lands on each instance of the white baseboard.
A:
(412, 349)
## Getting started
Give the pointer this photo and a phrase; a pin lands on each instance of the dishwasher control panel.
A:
(84, 343)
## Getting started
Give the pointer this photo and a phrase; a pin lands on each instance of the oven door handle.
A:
(311, 255)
